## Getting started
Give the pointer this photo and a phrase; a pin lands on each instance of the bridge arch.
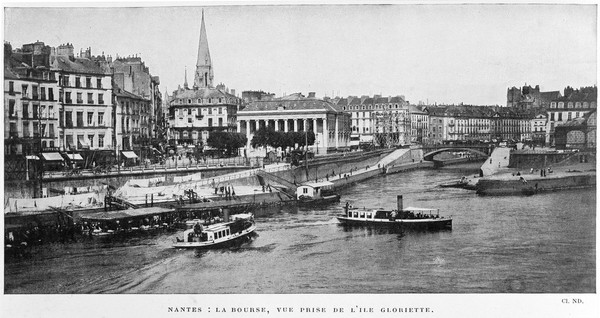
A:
(429, 156)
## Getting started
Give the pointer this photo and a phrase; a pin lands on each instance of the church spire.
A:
(204, 72)
(185, 83)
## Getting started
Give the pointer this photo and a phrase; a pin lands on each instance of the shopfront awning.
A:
(52, 156)
(32, 157)
(129, 154)
(75, 156)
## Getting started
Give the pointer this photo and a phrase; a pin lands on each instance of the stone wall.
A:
(532, 186)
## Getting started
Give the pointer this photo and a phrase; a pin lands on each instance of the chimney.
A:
(399, 203)
(311, 94)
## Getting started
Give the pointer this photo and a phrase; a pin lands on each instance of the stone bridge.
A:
(479, 149)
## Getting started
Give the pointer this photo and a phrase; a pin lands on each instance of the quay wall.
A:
(320, 168)
(528, 160)
(30, 189)
(534, 184)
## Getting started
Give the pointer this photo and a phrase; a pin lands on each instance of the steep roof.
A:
(125, 94)
(297, 103)
(550, 95)
(200, 93)
(203, 52)
(78, 65)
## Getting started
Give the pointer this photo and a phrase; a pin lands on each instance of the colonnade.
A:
(317, 125)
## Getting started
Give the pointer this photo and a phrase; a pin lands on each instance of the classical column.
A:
(304, 124)
(315, 127)
(296, 121)
(285, 125)
(325, 134)
(248, 133)
(239, 126)
(337, 118)
(276, 124)
(257, 124)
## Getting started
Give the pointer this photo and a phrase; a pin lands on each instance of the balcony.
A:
(80, 101)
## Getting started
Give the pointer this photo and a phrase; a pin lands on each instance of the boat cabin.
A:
(110, 222)
(369, 214)
(314, 189)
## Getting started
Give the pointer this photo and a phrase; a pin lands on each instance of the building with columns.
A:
(331, 126)
(195, 112)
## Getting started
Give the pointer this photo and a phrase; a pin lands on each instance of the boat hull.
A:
(320, 201)
(419, 224)
(231, 240)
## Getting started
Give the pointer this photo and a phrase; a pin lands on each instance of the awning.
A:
(52, 156)
(124, 214)
(75, 156)
(33, 157)
(129, 154)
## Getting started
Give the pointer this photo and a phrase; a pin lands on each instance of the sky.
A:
(430, 53)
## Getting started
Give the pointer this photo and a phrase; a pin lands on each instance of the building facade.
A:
(331, 125)
(31, 101)
(574, 104)
(197, 111)
(85, 96)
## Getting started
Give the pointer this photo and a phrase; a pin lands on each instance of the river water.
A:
(514, 244)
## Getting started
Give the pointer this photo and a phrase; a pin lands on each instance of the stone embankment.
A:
(528, 172)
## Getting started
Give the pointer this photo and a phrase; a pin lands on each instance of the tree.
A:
(227, 141)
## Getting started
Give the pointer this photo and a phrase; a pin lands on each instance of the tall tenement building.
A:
(195, 112)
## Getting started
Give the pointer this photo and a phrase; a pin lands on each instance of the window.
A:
(100, 119)
(79, 98)
(569, 114)
(199, 100)
(65, 80)
(50, 93)
(593, 104)
(561, 105)
(101, 141)
(43, 93)
(24, 91)
(51, 130)
(70, 141)
(220, 111)
(90, 119)
(69, 119)
(90, 99)
(210, 111)
(88, 82)
(79, 119)
(91, 139)
(26, 129)
(77, 81)
(68, 99)
(99, 83)
(189, 100)
(189, 120)
(570, 105)
(36, 131)
(11, 88)
(220, 122)
(559, 116)
(35, 111)
(189, 111)
(11, 108)
(210, 122)
(79, 141)
(100, 98)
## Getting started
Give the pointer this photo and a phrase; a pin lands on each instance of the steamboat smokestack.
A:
(399, 203)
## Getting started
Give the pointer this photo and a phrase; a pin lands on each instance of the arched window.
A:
(185, 134)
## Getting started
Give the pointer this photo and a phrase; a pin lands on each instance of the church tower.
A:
(204, 71)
